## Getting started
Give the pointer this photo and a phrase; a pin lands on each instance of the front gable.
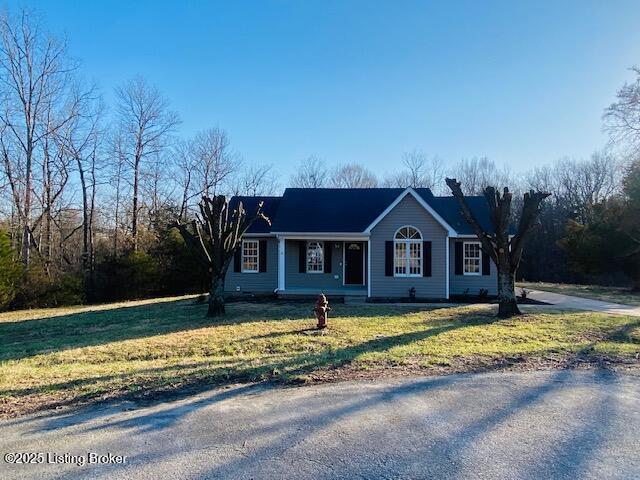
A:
(408, 211)
(411, 194)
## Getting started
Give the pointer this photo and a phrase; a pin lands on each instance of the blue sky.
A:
(523, 83)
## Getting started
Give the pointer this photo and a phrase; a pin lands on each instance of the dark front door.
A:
(354, 263)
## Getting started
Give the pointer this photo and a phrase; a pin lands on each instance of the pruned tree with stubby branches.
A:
(215, 235)
(505, 250)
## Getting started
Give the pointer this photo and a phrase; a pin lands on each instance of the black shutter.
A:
(237, 259)
(388, 258)
(459, 258)
(486, 266)
(426, 254)
(327, 256)
(302, 256)
(262, 261)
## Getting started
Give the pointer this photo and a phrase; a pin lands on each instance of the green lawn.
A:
(155, 349)
(607, 294)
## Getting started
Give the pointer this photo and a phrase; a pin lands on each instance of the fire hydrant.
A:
(321, 309)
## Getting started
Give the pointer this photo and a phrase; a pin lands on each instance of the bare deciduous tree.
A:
(35, 73)
(622, 117)
(505, 252)
(353, 175)
(476, 174)
(311, 173)
(257, 181)
(215, 236)
(145, 124)
(418, 172)
(204, 166)
(183, 168)
(80, 140)
(213, 162)
(577, 185)
(116, 179)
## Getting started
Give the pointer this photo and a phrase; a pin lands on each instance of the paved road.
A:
(579, 303)
(558, 424)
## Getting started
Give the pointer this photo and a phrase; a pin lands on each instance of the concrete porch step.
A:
(355, 300)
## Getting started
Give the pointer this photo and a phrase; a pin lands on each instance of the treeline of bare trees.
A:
(579, 182)
(82, 183)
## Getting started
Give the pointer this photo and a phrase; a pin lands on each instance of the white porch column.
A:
(281, 264)
(368, 267)
(446, 253)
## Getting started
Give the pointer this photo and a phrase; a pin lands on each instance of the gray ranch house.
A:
(377, 243)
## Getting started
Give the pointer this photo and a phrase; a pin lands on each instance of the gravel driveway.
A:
(556, 424)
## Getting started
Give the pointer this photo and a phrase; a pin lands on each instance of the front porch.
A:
(312, 264)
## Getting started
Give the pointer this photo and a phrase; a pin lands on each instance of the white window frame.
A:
(465, 258)
(318, 245)
(407, 243)
(257, 256)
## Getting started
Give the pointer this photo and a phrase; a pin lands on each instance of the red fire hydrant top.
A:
(321, 310)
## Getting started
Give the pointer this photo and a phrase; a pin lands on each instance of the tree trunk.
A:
(117, 212)
(26, 227)
(134, 213)
(85, 220)
(48, 253)
(507, 304)
(216, 297)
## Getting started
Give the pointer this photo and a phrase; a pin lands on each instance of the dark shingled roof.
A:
(331, 209)
(317, 210)
(449, 210)
(270, 209)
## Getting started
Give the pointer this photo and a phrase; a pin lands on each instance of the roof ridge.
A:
(346, 189)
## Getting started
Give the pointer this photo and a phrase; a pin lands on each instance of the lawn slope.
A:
(158, 349)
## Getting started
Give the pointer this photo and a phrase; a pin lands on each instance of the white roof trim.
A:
(323, 235)
(420, 200)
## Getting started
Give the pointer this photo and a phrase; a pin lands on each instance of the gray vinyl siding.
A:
(295, 279)
(409, 212)
(261, 282)
(470, 283)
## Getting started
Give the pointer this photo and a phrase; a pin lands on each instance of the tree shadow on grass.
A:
(624, 333)
(45, 335)
(178, 381)
(28, 338)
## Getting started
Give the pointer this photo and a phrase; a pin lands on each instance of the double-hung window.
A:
(250, 256)
(407, 252)
(472, 258)
(315, 257)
